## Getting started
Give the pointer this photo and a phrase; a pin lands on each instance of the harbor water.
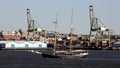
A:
(27, 59)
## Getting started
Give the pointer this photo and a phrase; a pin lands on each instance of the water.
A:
(27, 59)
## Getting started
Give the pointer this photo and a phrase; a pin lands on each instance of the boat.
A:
(72, 54)
(69, 53)
(44, 55)
(64, 53)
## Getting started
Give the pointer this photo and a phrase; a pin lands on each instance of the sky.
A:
(13, 14)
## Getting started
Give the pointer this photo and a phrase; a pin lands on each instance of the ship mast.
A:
(71, 27)
(55, 34)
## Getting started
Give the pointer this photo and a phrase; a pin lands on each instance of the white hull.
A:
(74, 53)
(66, 54)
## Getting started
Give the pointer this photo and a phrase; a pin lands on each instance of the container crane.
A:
(93, 20)
(30, 22)
(97, 27)
(34, 30)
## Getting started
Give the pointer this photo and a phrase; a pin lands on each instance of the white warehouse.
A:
(22, 44)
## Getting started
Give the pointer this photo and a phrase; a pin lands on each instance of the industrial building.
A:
(22, 45)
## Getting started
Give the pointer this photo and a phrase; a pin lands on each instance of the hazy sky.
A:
(13, 14)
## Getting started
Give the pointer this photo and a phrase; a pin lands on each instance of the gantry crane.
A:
(30, 22)
(97, 28)
(34, 30)
(93, 20)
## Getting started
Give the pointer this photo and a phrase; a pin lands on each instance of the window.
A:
(40, 45)
(12, 46)
(26, 45)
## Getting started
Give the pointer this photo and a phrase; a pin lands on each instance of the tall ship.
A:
(69, 53)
